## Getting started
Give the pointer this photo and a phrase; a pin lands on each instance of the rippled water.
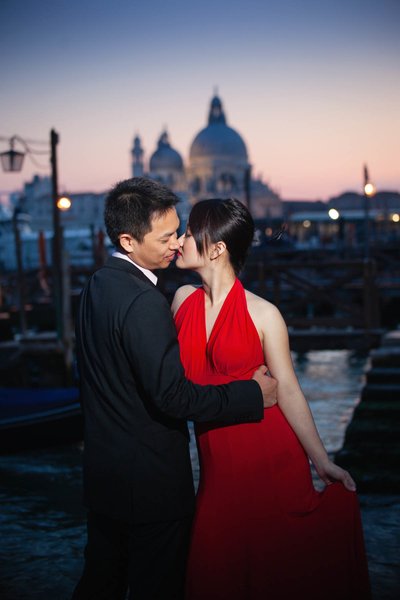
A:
(42, 521)
(331, 381)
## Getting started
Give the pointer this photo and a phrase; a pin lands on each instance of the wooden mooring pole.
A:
(371, 450)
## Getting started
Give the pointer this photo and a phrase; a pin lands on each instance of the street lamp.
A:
(12, 161)
(335, 215)
(64, 203)
(369, 191)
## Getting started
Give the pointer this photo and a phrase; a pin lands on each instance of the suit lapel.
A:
(119, 263)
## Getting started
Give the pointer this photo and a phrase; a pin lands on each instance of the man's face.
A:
(159, 245)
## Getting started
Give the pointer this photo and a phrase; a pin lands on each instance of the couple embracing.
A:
(257, 528)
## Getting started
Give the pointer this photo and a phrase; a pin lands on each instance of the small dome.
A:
(217, 139)
(165, 157)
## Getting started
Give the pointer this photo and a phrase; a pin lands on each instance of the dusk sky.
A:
(312, 86)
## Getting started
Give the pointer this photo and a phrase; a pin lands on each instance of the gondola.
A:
(33, 418)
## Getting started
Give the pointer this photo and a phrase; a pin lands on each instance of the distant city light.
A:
(333, 213)
(306, 223)
(64, 203)
(369, 189)
(395, 217)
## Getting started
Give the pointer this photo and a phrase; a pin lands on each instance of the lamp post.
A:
(369, 191)
(370, 291)
(12, 161)
(57, 237)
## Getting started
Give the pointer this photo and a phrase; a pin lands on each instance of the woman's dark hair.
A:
(229, 221)
(131, 205)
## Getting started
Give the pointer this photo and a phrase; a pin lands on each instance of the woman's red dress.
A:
(261, 531)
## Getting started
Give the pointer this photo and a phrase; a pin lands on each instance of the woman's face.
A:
(188, 255)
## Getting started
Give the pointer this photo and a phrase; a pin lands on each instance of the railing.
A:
(332, 293)
(326, 301)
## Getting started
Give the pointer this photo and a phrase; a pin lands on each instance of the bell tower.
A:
(137, 158)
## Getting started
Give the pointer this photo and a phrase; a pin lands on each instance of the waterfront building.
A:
(341, 220)
(82, 225)
(387, 202)
(35, 200)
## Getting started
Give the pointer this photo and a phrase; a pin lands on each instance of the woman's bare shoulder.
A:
(263, 312)
(180, 296)
(259, 305)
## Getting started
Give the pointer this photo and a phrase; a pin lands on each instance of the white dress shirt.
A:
(149, 274)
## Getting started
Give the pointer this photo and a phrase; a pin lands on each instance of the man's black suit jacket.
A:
(136, 399)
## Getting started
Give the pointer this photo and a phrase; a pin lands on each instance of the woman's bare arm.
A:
(291, 400)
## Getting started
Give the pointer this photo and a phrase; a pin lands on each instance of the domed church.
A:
(218, 166)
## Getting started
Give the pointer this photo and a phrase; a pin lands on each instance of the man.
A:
(138, 482)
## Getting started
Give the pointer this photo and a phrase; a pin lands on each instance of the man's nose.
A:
(175, 243)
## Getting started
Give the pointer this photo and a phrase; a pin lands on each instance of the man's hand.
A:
(268, 385)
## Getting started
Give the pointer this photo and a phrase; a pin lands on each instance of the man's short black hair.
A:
(131, 205)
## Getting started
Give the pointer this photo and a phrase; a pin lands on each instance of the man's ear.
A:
(217, 249)
(127, 242)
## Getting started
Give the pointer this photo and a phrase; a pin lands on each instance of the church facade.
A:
(217, 166)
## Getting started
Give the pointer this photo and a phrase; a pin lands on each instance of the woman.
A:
(260, 529)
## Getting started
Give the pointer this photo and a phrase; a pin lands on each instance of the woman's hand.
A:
(329, 473)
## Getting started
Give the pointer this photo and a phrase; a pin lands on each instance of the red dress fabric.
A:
(261, 531)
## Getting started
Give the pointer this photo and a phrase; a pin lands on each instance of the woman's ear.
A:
(217, 249)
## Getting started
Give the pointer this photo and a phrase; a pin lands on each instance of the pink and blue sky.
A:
(313, 86)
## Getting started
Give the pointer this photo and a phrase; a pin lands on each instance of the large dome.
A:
(165, 157)
(217, 139)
